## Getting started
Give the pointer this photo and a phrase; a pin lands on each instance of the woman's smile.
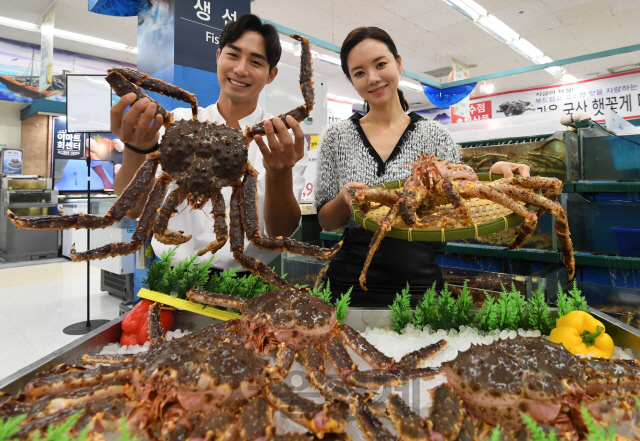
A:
(378, 90)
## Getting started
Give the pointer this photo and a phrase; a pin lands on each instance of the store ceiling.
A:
(428, 33)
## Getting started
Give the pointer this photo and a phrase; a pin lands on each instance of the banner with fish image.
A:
(619, 92)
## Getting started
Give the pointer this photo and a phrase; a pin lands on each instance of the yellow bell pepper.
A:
(580, 333)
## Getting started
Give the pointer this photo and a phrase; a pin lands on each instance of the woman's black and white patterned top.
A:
(346, 155)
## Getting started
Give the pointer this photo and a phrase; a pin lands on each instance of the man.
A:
(247, 58)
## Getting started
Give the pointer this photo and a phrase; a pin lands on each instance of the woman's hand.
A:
(508, 169)
(344, 196)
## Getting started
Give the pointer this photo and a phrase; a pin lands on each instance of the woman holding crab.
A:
(371, 149)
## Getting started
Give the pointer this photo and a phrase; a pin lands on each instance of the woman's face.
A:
(374, 72)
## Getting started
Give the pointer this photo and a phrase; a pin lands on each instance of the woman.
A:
(371, 149)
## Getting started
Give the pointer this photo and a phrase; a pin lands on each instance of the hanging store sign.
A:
(619, 92)
(460, 110)
(46, 49)
(198, 24)
(66, 145)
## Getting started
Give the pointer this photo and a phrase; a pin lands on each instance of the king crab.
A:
(499, 382)
(202, 157)
(434, 180)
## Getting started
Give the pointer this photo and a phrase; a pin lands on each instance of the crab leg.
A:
(447, 188)
(363, 197)
(318, 418)
(93, 360)
(219, 226)
(145, 223)
(256, 420)
(156, 333)
(197, 294)
(122, 78)
(330, 388)
(160, 227)
(127, 200)
(552, 207)
(243, 199)
(447, 413)
(384, 227)
(407, 423)
(416, 358)
(375, 378)
(371, 426)
(306, 86)
(285, 358)
(363, 348)
(221, 425)
(250, 223)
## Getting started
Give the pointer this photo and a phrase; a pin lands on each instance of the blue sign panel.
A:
(198, 24)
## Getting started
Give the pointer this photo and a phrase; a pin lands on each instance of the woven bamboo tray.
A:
(488, 216)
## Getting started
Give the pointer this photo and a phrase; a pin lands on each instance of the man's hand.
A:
(283, 152)
(508, 169)
(135, 127)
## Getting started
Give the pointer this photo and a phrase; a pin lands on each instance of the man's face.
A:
(243, 70)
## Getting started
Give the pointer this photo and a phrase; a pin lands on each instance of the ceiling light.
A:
(410, 86)
(66, 35)
(344, 98)
(297, 48)
(19, 24)
(497, 28)
(488, 88)
(527, 50)
(467, 7)
(286, 46)
(329, 59)
(94, 41)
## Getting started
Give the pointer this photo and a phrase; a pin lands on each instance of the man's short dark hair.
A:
(250, 22)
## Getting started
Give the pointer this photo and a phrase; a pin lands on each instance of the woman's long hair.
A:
(356, 37)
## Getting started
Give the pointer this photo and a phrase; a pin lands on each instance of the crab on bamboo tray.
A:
(489, 218)
(433, 182)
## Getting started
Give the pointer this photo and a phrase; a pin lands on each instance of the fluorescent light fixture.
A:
(286, 46)
(19, 24)
(488, 88)
(344, 98)
(94, 41)
(527, 50)
(502, 32)
(297, 48)
(497, 28)
(66, 35)
(410, 86)
(329, 59)
(467, 7)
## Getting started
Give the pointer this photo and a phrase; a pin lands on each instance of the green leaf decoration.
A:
(426, 312)
(401, 313)
(538, 316)
(342, 305)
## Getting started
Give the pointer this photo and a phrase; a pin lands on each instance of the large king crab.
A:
(215, 382)
(434, 180)
(202, 157)
(499, 382)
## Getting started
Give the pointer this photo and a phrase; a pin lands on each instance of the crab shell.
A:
(218, 374)
(203, 157)
(286, 316)
(531, 375)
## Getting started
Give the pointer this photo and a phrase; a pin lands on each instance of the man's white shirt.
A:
(199, 224)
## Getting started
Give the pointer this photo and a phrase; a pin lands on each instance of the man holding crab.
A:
(247, 58)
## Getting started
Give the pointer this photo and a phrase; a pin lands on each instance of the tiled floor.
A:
(38, 301)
